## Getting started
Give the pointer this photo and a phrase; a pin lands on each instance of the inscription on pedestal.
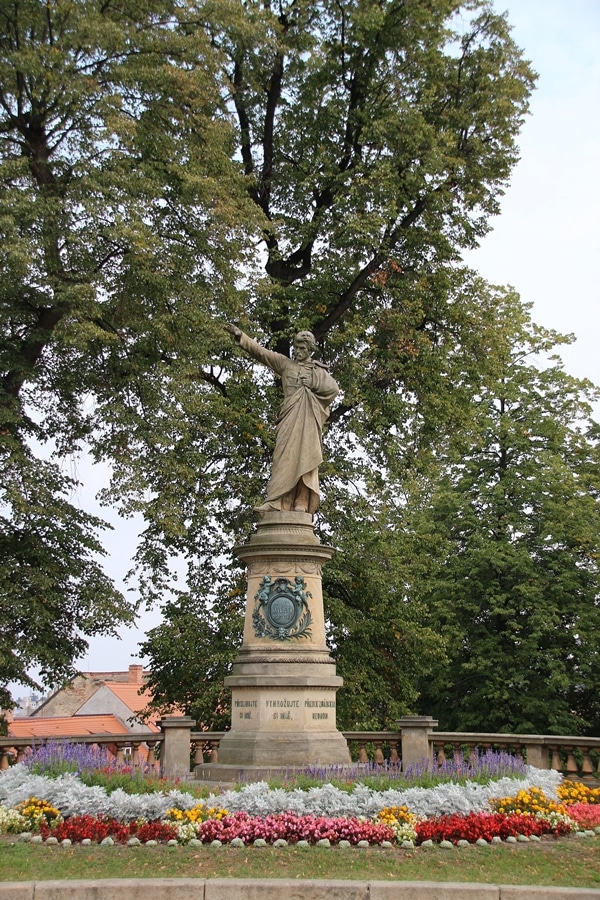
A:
(244, 708)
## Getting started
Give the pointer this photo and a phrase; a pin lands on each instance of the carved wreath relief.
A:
(281, 611)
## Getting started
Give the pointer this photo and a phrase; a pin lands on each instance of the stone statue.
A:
(308, 390)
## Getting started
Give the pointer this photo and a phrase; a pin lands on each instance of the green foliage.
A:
(146, 151)
(136, 783)
(191, 652)
(515, 507)
(117, 188)
(375, 140)
(377, 627)
(380, 781)
(53, 591)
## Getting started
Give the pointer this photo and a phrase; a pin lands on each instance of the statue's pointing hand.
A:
(234, 331)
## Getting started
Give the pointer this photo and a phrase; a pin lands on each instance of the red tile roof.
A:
(129, 694)
(65, 726)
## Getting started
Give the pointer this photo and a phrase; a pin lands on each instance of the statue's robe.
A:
(298, 442)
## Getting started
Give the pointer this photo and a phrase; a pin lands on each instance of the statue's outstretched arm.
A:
(275, 361)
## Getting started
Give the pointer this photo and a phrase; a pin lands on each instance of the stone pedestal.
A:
(416, 740)
(283, 681)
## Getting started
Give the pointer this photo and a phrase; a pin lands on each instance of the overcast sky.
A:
(546, 243)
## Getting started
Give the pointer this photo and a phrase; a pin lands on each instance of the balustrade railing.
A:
(125, 748)
(574, 756)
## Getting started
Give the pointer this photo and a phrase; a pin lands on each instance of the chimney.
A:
(136, 674)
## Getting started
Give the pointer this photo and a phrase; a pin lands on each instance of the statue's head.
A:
(304, 345)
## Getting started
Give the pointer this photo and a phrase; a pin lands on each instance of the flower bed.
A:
(65, 809)
(96, 829)
(485, 826)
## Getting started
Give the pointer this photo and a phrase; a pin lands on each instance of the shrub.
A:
(401, 820)
(156, 831)
(527, 802)
(293, 828)
(11, 821)
(76, 828)
(57, 757)
(38, 813)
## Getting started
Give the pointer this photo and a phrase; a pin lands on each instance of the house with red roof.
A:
(93, 703)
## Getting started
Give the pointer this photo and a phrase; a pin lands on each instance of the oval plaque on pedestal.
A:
(281, 610)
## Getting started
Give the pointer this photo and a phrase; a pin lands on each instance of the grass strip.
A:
(568, 862)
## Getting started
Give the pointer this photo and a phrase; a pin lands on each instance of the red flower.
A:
(483, 825)
(77, 828)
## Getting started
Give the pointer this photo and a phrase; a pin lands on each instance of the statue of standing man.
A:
(308, 390)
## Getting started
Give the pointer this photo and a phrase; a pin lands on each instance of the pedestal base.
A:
(283, 681)
(270, 749)
(222, 777)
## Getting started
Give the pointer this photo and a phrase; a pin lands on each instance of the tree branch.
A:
(387, 245)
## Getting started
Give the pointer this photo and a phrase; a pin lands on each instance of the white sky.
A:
(546, 243)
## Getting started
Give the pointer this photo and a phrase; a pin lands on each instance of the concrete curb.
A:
(275, 888)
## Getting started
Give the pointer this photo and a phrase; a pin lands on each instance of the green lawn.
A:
(568, 862)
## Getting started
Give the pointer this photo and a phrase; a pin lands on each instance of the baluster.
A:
(556, 760)
(587, 767)
(378, 759)
(151, 759)
(440, 755)
(394, 758)
(213, 756)
(120, 755)
(572, 767)
(348, 749)
(21, 754)
(457, 754)
(4, 758)
(135, 755)
(362, 752)
(483, 748)
(198, 754)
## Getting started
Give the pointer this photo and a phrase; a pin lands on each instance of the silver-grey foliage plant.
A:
(72, 797)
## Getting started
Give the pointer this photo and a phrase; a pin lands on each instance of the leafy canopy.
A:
(118, 212)
(514, 588)
(170, 166)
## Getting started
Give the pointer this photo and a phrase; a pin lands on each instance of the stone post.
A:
(537, 752)
(416, 740)
(175, 750)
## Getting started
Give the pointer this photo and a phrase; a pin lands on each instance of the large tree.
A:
(118, 201)
(376, 139)
(514, 588)
(172, 166)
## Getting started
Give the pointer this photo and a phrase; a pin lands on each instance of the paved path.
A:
(278, 889)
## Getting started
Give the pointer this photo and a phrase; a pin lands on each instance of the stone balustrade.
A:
(415, 741)
(124, 747)
(574, 756)
(359, 741)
